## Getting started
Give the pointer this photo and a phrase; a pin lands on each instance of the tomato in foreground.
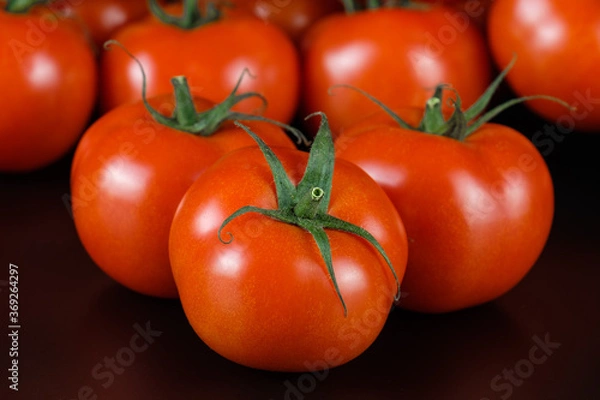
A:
(476, 199)
(212, 52)
(274, 268)
(48, 77)
(131, 169)
(560, 57)
(396, 54)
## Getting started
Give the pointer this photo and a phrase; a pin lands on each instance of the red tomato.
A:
(212, 56)
(128, 175)
(396, 54)
(477, 212)
(265, 299)
(48, 78)
(103, 17)
(294, 16)
(560, 56)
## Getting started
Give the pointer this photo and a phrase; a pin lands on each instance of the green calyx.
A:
(192, 16)
(186, 118)
(461, 123)
(21, 6)
(306, 205)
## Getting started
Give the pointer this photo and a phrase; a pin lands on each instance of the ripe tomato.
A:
(477, 210)
(128, 175)
(558, 33)
(266, 299)
(48, 78)
(294, 16)
(396, 54)
(212, 56)
(103, 17)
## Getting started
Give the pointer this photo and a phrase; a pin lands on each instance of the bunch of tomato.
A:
(294, 169)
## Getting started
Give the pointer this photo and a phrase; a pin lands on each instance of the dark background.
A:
(72, 316)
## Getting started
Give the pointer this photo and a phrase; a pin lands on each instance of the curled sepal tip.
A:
(378, 102)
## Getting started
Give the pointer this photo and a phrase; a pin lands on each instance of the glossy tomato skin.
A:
(397, 55)
(48, 77)
(560, 58)
(265, 299)
(295, 17)
(477, 213)
(102, 18)
(212, 57)
(128, 175)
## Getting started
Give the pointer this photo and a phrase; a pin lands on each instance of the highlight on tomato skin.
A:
(286, 265)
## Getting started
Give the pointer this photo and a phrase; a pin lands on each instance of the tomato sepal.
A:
(306, 205)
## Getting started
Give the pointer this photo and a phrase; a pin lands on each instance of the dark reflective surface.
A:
(83, 336)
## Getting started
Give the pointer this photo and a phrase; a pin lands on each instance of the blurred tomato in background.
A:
(48, 77)
(557, 44)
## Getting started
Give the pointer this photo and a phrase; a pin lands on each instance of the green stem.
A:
(21, 6)
(433, 119)
(191, 18)
(309, 204)
(185, 110)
